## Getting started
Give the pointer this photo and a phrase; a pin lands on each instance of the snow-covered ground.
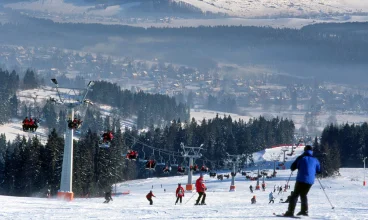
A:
(262, 8)
(278, 13)
(239, 8)
(346, 193)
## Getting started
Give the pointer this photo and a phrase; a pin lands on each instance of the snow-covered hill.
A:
(237, 8)
(346, 193)
(277, 8)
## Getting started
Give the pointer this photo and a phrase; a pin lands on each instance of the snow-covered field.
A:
(262, 8)
(346, 193)
(278, 13)
(238, 8)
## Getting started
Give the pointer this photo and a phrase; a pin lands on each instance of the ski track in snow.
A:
(346, 192)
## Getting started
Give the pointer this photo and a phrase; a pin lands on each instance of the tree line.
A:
(30, 167)
(149, 108)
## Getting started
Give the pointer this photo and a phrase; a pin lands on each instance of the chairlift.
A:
(105, 140)
(166, 169)
(181, 168)
(143, 159)
(151, 163)
(162, 162)
(132, 154)
(174, 164)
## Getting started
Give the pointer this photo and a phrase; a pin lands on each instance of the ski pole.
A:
(287, 183)
(325, 194)
(190, 198)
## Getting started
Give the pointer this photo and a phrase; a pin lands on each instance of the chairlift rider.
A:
(132, 155)
(75, 124)
(30, 124)
(107, 137)
(181, 170)
(166, 169)
(151, 164)
(204, 169)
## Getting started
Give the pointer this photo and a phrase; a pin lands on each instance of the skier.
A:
(271, 198)
(274, 188)
(253, 200)
(280, 190)
(108, 197)
(251, 188)
(201, 188)
(149, 197)
(179, 193)
(263, 186)
(307, 166)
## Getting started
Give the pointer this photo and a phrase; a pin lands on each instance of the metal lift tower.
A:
(191, 153)
(66, 191)
(234, 159)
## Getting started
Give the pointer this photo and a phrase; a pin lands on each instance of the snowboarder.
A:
(271, 198)
(149, 197)
(251, 188)
(253, 200)
(179, 193)
(108, 197)
(307, 166)
(201, 188)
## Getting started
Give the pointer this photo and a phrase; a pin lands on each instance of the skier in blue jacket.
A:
(307, 166)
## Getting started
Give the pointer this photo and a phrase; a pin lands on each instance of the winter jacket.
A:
(180, 191)
(270, 196)
(307, 166)
(149, 195)
(200, 185)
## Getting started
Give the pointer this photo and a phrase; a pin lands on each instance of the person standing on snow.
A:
(108, 197)
(179, 193)
(271, 198)
(307, 166)
(251, 188)
(201, 188)
(149, 197)
(253, 200)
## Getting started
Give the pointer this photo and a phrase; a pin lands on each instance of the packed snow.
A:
(346, 193)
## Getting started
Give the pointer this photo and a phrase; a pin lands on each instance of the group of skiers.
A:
(307, 165)
(30, 124)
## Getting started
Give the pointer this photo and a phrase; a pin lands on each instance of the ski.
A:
(282, 215)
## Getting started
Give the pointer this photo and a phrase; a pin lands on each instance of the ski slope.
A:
(346, 193)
